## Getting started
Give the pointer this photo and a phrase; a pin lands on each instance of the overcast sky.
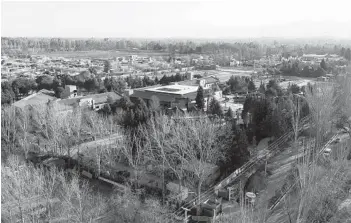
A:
(201, 19)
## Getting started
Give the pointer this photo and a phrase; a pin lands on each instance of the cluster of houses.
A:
(318, 58)
(35, 65)
(180, 95)
(275, 60)
(43, 97)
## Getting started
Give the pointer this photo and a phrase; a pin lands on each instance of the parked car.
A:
(345, 130)
(335, 141)
(327, 152)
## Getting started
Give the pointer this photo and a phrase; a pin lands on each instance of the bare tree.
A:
(321, 100)
(344, 105)
(134, 151)
(8, 128)
(79, 202)
(22, 187)
(320, 186)
(185, 144)
(297, 102)
(201, 150)
(164, 143)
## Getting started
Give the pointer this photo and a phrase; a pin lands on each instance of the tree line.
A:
(220, 50)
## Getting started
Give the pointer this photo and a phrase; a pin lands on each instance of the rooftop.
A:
(41, 97)
(174, 89)
(314, 55)
(208, 80)
(98, 98)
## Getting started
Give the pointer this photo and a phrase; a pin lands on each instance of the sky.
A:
(170, 19)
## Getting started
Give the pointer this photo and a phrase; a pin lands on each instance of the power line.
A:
(297, 181)
(242, 170)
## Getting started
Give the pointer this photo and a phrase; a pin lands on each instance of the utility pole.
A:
(163, 181)
(186, 217)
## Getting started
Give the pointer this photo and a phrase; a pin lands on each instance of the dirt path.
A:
(106, 141)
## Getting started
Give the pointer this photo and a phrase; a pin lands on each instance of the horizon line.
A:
(184, 37)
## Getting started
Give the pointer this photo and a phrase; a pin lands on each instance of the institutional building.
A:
(169, 96)
(181, 95)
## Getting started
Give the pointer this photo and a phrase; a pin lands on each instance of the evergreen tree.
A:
(348, 54)
(56, 83)
(294, 88)
(177, 77)
(164, 80)
(271, 92)
(106, 109)
(91, 84)
(229, 114)
(200, 104)
(107, 66)
(125, 103)
(323, 65)
(141, 112)
(215, 108)
(239, 153)
(156, 80)
(7, 94)
(342, 52)
(262, 88)
(319, 72)
(59, 91)
(251, 86)
(242, 141)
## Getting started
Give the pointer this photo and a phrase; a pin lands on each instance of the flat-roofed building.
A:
(169, 96)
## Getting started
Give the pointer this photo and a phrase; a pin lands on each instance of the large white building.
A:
(168, 96)
(181, 94)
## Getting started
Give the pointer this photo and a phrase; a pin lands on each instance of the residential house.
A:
(234, 63)
(313, 57)
(40, 98)
(132, 57)
(72, 90)
(94, 101)
(323, 78)
(178, 61)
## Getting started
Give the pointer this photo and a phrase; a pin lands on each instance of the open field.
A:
(238, 69)
(99, 54)
(300, 82)
(225, 74)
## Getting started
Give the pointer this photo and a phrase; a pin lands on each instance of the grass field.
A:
(225, 74)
